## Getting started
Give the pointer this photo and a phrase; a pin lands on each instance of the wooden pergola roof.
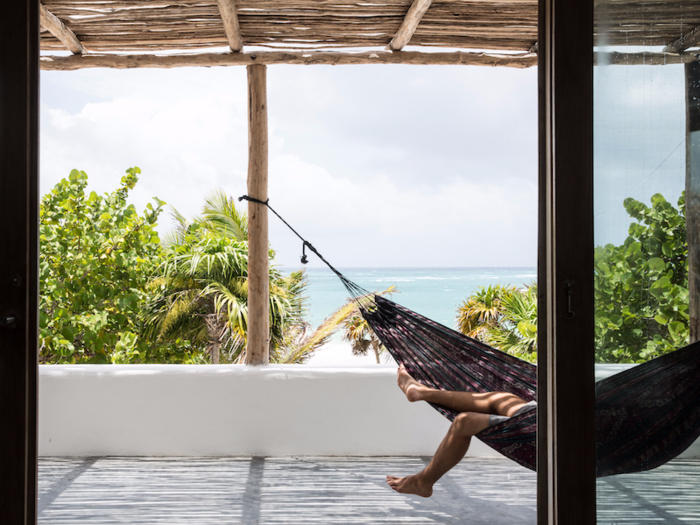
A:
(137, 33)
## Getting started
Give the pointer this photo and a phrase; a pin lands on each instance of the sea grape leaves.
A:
(641, 287)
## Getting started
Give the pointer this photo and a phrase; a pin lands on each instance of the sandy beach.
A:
(339, 353)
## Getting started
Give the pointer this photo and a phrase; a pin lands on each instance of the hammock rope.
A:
(645, 416)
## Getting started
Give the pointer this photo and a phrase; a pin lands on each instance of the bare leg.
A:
(501, 403)
(450, 452)
(473, 418)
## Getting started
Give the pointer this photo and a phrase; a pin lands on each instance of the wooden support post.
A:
(258, 349)
(692, 193)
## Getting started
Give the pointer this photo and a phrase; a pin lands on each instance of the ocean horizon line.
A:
(410, 267)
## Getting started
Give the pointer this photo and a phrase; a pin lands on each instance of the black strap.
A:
(306, 244)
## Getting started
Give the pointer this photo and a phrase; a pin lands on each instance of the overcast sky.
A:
(639, 140)
(430, 166)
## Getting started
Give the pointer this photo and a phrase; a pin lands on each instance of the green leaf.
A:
(660, 319)
(657, 264)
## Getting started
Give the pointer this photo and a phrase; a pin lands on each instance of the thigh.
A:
(500, 403)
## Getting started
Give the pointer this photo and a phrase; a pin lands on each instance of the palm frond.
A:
(221, 216)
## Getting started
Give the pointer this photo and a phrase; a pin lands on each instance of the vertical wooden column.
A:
(258, 349)
(19, 260)
(692, 192)
(566, 488)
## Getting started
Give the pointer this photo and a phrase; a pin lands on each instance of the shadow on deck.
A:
(330, 490)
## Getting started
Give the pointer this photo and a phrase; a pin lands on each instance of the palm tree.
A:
(202, 291)
(300, 342)
(483, 309)
(503, 317)
(362, 337)
(359, 333)
(201, 294)
(516, 331)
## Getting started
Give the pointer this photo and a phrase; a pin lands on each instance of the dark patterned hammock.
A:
(645, 416)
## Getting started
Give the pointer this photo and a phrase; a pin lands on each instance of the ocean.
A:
(435, 293)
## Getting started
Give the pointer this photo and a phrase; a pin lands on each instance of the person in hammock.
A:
(476, 413)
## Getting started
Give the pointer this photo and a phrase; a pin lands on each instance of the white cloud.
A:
(377, 166)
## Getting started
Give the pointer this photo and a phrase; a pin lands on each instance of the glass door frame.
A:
(19, 259)
(566, 490)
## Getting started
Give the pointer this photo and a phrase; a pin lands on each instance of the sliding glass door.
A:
(646, 216)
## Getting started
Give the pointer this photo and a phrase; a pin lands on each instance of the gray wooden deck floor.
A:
(204, 491)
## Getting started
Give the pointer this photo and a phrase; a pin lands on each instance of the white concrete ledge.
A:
(181, 410)
(228, 410)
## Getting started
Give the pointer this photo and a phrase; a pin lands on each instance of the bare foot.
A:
(410, 485)
(412, 388)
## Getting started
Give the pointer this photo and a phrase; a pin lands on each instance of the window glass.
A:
(647, 211)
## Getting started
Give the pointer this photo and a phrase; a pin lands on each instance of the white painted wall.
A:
(197, 410)
(181, 410)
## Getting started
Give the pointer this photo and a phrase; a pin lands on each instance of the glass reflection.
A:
(647, 230)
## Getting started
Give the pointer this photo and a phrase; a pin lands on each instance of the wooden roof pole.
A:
(258, 349)
(227, 8)
(57, 28)
(409, 24)
(457, 58)
(688, 40)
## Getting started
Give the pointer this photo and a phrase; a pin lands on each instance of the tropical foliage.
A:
(641, 287)
(359, 333)
(202, 291)
(504, 317)
(97, 254)
(111, 292)
(483, 309)
(516, 330)
(641, 294)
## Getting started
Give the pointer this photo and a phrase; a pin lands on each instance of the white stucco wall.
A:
(180, 410)
(176, 410)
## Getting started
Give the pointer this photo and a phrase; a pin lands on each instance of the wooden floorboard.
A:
(331, 490)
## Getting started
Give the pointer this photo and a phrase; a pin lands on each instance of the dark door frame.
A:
(566, 437)
(19, 258)
(566, 384)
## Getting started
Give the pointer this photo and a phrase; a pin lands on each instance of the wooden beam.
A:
(258, 348)
(643, 59)
(409, 24)
(227, 8)
(686, 41)
(70, 63)
(335, 58)
(54, 26)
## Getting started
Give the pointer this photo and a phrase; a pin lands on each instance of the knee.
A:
(464, 423)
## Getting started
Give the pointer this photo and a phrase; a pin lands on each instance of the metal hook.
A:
(304, 260)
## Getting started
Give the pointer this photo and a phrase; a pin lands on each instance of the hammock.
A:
(645, 416)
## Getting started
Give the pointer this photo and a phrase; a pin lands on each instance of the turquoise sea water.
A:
(433, 292)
